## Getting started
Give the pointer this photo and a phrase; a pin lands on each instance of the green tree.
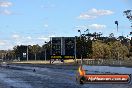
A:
(118, 50)
(98, 49)
(35, 49)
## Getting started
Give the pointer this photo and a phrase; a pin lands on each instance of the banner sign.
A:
(107, 78)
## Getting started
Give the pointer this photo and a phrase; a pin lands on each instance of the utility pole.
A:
(81, 46)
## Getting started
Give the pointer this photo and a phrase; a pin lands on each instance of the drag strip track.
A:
(39, 79)
(22, 76)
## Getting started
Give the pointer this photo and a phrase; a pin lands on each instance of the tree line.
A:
(90, 45)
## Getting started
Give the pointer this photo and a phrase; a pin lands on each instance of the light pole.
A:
(45, 55)
(116, 22)
(81, 46)
(50, 48)
(45, 51)
(75, 40)
(27, 52)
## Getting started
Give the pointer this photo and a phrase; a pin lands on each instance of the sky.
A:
(29, 22)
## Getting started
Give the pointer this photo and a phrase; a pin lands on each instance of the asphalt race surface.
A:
(45, 76)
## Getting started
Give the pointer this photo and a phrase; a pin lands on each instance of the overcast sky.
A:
(34, 21)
